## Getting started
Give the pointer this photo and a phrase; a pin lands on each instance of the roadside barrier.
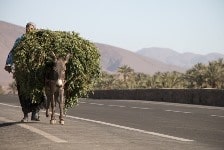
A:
(210, 97)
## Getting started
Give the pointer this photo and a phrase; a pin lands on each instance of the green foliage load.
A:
(32, 56)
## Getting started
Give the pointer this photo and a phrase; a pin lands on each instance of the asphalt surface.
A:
(116, 124)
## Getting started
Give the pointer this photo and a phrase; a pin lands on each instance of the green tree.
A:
(215, 74)
(155, 81)
(140, 80)
(196, 76)
(171, 79)
(126, 73)
(106, 81)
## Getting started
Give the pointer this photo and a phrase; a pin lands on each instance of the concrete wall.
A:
(211, 97)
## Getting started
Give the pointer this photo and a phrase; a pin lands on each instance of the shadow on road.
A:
(5, 124)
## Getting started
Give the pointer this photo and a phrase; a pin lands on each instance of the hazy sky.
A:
(183, 25)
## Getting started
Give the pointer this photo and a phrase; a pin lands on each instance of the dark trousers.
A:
(26, 104)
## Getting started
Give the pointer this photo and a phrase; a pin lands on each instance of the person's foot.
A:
(35, 117)
(25, 118)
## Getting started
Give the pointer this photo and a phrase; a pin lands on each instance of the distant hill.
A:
(114, 57)
(8, 34)
(169, 56)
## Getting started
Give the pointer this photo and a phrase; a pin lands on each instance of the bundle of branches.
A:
(32, 56)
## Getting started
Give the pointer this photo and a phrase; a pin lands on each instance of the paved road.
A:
(116, 124)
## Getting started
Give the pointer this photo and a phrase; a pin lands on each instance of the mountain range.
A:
(147, 60)
(185, 60)
(113, 57)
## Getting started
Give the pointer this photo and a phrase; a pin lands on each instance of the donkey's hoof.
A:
(52, 121)
(62, 122)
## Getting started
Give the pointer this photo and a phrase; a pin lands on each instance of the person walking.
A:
(26, 103)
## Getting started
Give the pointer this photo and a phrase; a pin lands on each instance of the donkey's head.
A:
(59, 68)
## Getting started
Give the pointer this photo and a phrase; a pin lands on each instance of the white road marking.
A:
(172, 110)
(96, 104)
(37, 131)
(132, 129)
(121, 106)
(176, 111)
(187, 112)
(9, 105)
(144, 108)
(117, 106)
(217, 116)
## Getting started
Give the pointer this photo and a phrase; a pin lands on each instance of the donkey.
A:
(54, 87)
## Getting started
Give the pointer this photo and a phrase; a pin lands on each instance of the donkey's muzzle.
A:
(59, 83)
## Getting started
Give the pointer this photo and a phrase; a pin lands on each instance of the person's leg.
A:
(35, 112)
(23, 104)
(37, 106)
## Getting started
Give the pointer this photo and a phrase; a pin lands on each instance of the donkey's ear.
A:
(67, 57)
(53, 55)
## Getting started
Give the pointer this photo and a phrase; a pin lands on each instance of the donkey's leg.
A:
(61, 106)
(53, 120)
(48, 107)
(48, 103)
